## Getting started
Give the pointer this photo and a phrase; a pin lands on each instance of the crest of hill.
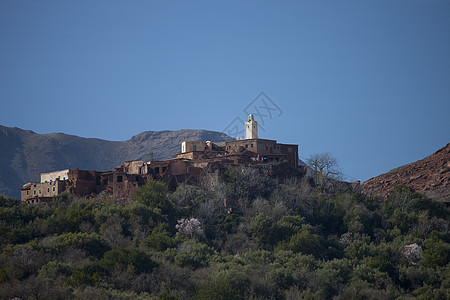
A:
(25, 154)
(429, 176)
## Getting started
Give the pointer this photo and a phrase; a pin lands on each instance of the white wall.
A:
(52, 176)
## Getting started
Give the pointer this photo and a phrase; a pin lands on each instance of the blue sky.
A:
(368, 81)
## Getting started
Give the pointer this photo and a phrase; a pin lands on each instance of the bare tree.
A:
(325, 168)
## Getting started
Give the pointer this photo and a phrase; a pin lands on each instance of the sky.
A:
(367, 81)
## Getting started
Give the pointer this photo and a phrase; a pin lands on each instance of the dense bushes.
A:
(273, 240)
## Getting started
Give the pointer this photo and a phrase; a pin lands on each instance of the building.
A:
(251, 128)
(77, 182)
(266, 150)
(196, 158)
(257, 150)
(34, 192)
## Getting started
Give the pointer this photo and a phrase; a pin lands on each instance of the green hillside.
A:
(275, 239)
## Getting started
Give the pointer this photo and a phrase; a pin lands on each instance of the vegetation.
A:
(273, 240)
(325, 168)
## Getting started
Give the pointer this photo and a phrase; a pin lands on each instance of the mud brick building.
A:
(251, 149)
(77, 182)
(196, 158)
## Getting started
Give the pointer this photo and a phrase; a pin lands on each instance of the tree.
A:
(325, 168)
(307, 242)
(154, 195)
(244, 184)
(194, 254)
(189, 227)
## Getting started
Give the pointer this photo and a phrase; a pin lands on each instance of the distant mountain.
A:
(25, 154)
(429, 176)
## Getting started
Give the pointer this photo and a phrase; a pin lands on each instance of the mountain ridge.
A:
(24, 154)
(429, 176)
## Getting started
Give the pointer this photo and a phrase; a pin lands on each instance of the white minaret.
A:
(251, 128)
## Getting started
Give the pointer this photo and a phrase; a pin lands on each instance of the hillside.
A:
(430, 176)
(25, 154)
(274, 239)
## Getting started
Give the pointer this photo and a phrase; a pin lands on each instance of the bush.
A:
(306, 242)
(436, 254)
(122, 258)
(93, 244)
(159, 239)
(154, 195)
(194, 254)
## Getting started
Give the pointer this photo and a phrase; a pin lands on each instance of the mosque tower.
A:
(251, 128)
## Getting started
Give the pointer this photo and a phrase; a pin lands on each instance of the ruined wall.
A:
(177, 167)
(81, 182)
(291, 151)
(124, 184)
(133, 167)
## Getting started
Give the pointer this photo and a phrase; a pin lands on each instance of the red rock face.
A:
(429, 176)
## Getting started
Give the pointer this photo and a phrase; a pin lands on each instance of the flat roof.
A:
(251, 140)
(262, 140)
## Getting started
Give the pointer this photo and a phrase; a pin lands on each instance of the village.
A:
(196, 158)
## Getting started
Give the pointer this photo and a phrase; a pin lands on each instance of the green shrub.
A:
(194, 254)
(122, 258)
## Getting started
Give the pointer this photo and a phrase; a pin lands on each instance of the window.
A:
(48, 190)
(119, 178)
(246, 146)
(53, 188)
(27, 192)
(40, 192)
(251, 145)
(34, 192)
(194, 147)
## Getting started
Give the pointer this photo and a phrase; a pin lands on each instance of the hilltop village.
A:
(196, 158)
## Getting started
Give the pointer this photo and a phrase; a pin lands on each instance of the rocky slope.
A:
(25, 154)
(430, 176)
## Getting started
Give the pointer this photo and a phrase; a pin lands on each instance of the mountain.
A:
(429, 176)
(25, 154)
